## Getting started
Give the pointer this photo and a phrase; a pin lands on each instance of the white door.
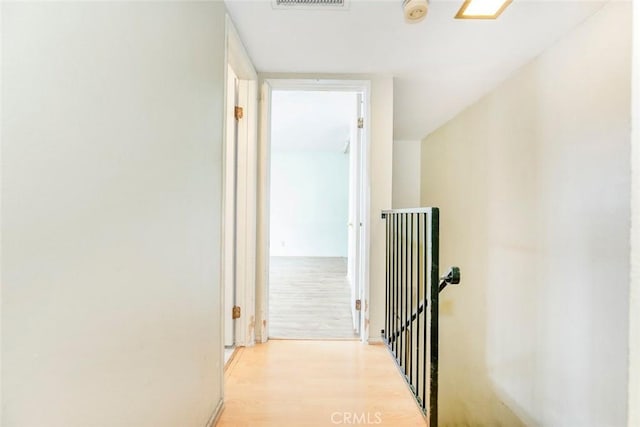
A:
(230, 209)
(355, 222)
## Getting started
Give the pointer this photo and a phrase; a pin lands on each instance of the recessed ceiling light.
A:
(482, 9)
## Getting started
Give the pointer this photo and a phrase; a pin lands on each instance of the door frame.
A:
(245, 189)
(264, 176)
(229, 209)
(354, 242)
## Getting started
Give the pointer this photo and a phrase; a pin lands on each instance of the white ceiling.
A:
(318, 121)
(440, 65)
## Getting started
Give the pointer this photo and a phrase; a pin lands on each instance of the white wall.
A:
(406, 174)
(309, 203)
(111, 144)
(634, 306)
(533, 185)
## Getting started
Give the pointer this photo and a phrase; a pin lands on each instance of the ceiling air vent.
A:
(310, 4)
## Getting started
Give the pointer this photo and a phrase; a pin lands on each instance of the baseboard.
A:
(213, 419)
(373, 340)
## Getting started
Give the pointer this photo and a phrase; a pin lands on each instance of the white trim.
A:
(262, 282)
(365, 248)
(245, 220)
(264, 182)
(223, 226)
(246, 187)
(215, 416)
(355, 232)
(228, 209)
(238, 57)
(331, 85)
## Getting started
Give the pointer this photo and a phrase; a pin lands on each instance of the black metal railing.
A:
(411, 308)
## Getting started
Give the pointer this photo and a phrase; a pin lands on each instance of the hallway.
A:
(138, 217)
(316, 383)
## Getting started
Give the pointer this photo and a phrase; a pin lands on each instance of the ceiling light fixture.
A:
(482, 9)
(415, 10)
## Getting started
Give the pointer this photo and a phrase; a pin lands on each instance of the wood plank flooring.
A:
(309, 298)
(316, 383)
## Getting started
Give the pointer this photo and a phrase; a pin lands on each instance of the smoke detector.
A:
(415, 10)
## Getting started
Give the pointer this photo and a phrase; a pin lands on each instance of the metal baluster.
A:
(435, 259)
(411, 298)
(387, 282)
(401, 293)
(418, 216)
(395, 287)
(425, 318)
(406, 297)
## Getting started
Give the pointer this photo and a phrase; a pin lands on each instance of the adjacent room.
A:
(309, 290)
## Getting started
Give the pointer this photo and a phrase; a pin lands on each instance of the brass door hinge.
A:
(358, 305)
(235, 314)
(360, 122)
(238, 113)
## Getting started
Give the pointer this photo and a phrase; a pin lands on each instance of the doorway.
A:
(317, 158)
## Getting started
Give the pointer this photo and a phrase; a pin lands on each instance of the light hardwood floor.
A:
(316, 383)
(309, 298)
